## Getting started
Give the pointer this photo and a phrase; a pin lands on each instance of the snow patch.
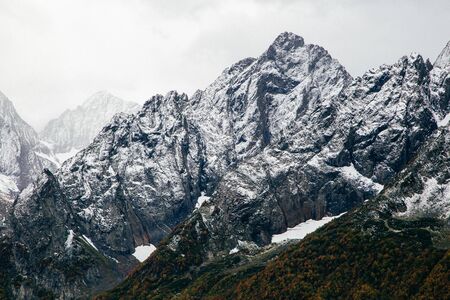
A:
(299, 231)
(444, 121)
(7, 185)
(432, 201)
(69, 240)
(234, 250)
(143, 252)
(62, 157)
(202, 199)
(350, 173)
(88, 240)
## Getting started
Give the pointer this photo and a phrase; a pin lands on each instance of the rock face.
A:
(139, 178)
(358, 142)
(22, 155)
(266, 101)
(75, 129)
(49, 249)
(375, 127)
(274, 141)
(394, 246)
(440, 84)
(405, 230)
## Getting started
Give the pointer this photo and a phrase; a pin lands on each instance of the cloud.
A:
(55, 53)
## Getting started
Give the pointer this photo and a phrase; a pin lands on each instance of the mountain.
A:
(395, 246)
(22, 155)
(144, 173)
(274, 141)
(263, 101)
(382, 121)
(138, 179)
(76, 128)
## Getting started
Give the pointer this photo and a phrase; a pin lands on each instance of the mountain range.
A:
(209, 180)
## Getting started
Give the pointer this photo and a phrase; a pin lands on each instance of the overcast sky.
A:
(56, 53)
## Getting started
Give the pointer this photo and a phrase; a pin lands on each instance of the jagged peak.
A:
(7, 108)
(171, 99)
(175, 95)
(102, 96)
(413, 60)
(288, 41)
(443, 59)
(240, 65)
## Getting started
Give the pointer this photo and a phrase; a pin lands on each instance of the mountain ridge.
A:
(272, 142)
(398, 118)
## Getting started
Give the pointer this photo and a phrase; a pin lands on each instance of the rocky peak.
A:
(407, 69)
(101, 98)
(240, 66)
(5, 104)
(172, 103)
(10, 117)
(258, 101)
(287, 41)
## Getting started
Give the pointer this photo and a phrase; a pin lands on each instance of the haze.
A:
(54, 53)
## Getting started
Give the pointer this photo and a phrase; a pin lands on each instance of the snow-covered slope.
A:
(338, 153)
(267, 101)
(76, 128)
(22, 155)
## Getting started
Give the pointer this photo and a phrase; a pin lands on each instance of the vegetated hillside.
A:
(354, 257)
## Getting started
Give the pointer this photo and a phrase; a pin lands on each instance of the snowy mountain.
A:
(22, 155)
(275, 141)
(376, 127)
(138, 179)
(76, 128)
(395, 246)
(339, 153)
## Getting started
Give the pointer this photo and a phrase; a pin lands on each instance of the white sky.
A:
(56, 53)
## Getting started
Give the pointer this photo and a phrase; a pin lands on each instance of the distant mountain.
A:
(22, 155)
(76, 128)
